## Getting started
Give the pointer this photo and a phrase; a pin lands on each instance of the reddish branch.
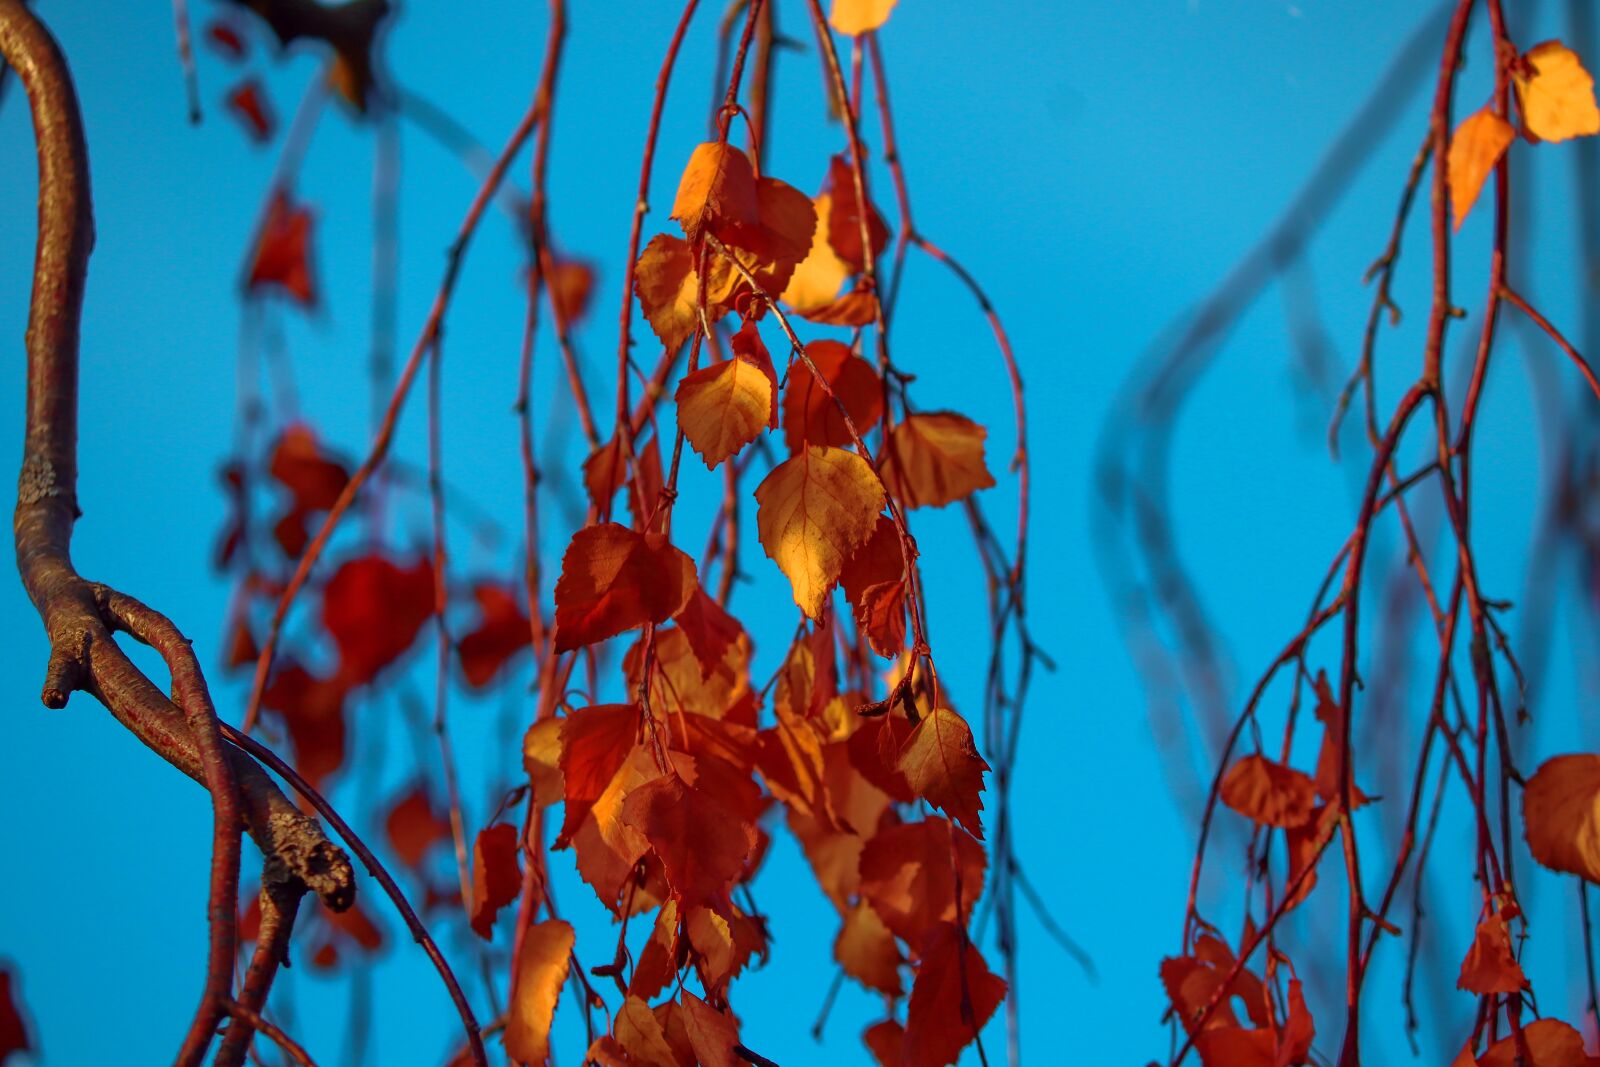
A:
(80, 616)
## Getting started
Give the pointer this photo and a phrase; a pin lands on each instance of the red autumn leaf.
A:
(1269, 792)
(502, 632)
(595, 742)
(541, 971)
(878, 559)
(242, 647)
(1542, 1043)
(882, 617)
(811, 416)
(225, 38)
(908, 877)
(1331, 715)
(709, 630)
(496, 875)
(249, 104)
(942, 765)
(313, 480)
(13, 1027)
(874, 751)
(712, 1034)
(884, 1040)
(953, 996)
(373, 609)
(866, 951)
(413, 827)
(1490, 965)
(313, 710)
(935, 458)
(844, 220)
(282, 257)
(613, 579)
(702, 836)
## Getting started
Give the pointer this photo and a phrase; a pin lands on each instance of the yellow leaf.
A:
(669, 288)
(1561, 815)
(866, 950)
(1479, 142)
(859, 16)
(941, 763)
(1558, 98)
(818, 278)
(541, 758)
(541, 970)
(814, 509)
(723, 407)
(936, 458)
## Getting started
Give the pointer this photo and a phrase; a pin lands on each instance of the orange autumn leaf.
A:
(844, 221)
(282, 257)
(668, 288)
(865, 949)
(882, 617)
(907, 876)
(813, 510)
(934, 459)
(818, 277)
(709, 630)
(1490, 966)
(723, 407)
(496, 875)
(614, 579)
(859, 16)
(1542, 1043)
(717, 191)
(812, 416)
(595, 742)
(942, 764)
(541, 971)
(570, 283)
(713, 1034)
(702, 839)
(953, 996)
(1561, 815)
(413, 827)
(1475, 149)
(1556, 93)
(1269, 792)
(541, 758)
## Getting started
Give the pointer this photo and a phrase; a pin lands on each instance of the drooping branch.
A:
(80, 616)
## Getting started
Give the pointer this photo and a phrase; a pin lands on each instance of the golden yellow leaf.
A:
(723, 407)
(541, 970)
(813, 510)
(717, 190)
(821, 274)
(936, 458)
(541, 758)
(866, 950)
(859, 16)
(1558, 97)
(1479, 142)
(1561, 815)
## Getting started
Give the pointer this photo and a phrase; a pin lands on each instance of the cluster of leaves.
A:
(667, 798)
(1305, 811)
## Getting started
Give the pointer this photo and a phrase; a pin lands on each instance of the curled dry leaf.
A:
(1490, 966)
(1561, 815)
(813, 510)
(541, 971)
(614, 579)
(1475, 149)
(1556, 93)
(934, 459)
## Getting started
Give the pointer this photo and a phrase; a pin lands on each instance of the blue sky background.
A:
(1098, 165)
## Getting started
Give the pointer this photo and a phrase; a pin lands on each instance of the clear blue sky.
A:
(1098, 165)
